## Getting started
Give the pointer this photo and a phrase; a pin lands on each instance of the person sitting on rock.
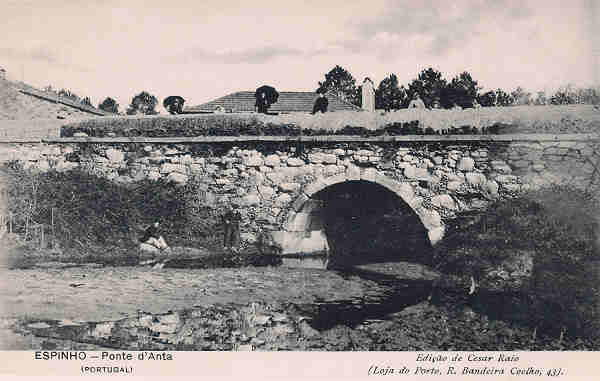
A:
(321, 104)
(153, 238)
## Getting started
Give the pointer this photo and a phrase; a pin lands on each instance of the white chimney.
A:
(368, 95)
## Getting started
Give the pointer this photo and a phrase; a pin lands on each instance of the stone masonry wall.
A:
(274, 182)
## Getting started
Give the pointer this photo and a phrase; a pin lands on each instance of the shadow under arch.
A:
(371, 209)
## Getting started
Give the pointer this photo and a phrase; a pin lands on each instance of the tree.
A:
(430, 86)
(388, 95)
(109, 105)
(86, 101)
(521, 97)
(503, 98)
(462, 91)
(342, 84)
(144, 103)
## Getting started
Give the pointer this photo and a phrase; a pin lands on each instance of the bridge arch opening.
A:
(355, 222)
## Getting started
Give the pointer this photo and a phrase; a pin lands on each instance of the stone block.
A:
(368, 174)
(299, 202)
(297, 222)
(294, 162)
(168, 168)
(289, 187)
(475, 179)
(352, 173)
(436, 235)
(315, 186)
(253, 161)
(431, 219)
(329, 158)
(466, 164)
(300, 242)
(266, 192)
(177, 178)
(272, 161)
(444, 201)
(453, 185)
(416, 173)
(250, 200)
(283, 200)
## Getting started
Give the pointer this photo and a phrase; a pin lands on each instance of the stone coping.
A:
(319, 138)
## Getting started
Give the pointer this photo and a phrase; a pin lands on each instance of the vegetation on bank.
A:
(489, 120)
(91, 219)
(559, 228)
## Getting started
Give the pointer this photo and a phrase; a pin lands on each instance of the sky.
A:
(205, 49)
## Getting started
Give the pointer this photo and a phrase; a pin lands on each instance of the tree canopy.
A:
(389, 96)
(109, 105)
(144, 103)
(342, 84)
(430, 86)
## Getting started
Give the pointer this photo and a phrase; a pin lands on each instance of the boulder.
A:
(466, 164)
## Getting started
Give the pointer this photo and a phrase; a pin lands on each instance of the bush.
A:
(493, 120)
(560, 225)
(95, 219)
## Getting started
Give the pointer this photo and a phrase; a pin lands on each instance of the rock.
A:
(466, 164)
(413, 172)
(253, 161)
(438, 160)
(289, 187)
(329, 159)
(115, 155)
(169, 168)
(294, 162)
(283, 199)
(266, 192)
(149, 248)
(504, 179)
(153, 175)
(272, 161)
(444, 201)
(491, 187)
(339, 152)
(177, 178)
(475, 179)
(251, 199)
(316, 158)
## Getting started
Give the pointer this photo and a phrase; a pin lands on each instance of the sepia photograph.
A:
(304, 176)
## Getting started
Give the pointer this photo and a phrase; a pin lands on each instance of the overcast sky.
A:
(205, 49)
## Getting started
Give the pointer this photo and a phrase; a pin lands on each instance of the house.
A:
(288, 102)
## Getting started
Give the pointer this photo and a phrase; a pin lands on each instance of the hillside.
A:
(23, 115)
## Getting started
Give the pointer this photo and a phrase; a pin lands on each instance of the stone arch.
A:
(304, 234)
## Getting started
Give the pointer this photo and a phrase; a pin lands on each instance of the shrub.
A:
(560, 225)
(96, 219)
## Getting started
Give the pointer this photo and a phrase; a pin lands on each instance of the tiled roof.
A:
(25, 89)
(288, 101)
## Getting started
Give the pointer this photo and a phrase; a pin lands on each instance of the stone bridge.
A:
(293, 189)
